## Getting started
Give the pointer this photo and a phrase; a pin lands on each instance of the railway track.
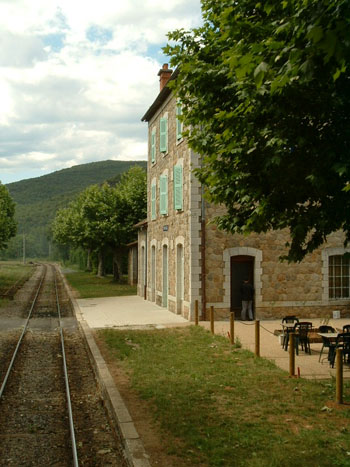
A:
(51, 412)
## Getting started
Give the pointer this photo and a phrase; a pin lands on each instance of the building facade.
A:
(183, 257)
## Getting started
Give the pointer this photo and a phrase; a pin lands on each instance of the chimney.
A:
(164, 75)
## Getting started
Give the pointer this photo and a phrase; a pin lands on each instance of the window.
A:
(163, 139)
(153, 146)
(178, 121)
(178, 197)
(338, 274)
(163, 194)
(153, 200)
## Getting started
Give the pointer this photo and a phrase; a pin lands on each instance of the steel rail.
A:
(21, 337)
(66, 380)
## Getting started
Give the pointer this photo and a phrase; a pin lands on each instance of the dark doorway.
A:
(242, 267)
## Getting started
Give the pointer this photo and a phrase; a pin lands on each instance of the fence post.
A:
(257, 338)
(232, 327)
(339, 377)
(196, 312)
(291, 354)
(212, 319)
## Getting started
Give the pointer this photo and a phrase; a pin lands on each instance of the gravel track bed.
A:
(33, 410)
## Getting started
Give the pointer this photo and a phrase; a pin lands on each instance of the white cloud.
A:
(76, 78)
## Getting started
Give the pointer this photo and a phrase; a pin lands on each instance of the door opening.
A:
(242, 267)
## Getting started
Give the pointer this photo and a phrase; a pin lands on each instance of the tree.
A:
(8, 225)
(265, 88)
(102, 217)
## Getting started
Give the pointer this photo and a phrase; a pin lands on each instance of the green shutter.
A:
(153, 146)
(178, 197)
(163, 186)
(153, 201)
(163, 135)
(178, 122)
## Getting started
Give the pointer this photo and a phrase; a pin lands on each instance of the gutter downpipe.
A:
(203, 239)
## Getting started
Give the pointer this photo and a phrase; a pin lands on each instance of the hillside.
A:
(67, 181)
(38, 199)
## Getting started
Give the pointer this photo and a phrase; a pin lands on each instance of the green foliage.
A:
(103, 216)
(7, 214)
(38, 200)
(265, 88)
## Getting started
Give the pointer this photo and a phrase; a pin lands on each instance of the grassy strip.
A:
(90, 286)
(221, 406)
(10, 273)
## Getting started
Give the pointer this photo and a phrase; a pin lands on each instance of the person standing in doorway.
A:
(247, 295)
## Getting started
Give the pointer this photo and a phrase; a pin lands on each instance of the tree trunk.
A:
(88, 261)
(101, 264)
(117, 264)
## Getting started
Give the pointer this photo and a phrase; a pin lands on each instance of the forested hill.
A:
(38, 199)
(67, 181)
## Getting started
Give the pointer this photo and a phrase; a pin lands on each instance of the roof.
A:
(130, 245)
(164, 93)
(141, 224)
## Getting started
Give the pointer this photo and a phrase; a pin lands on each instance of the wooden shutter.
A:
(153, 201)
(178, 122)
(163, 135)
(163, 194)
(178, 196)
(153, 146)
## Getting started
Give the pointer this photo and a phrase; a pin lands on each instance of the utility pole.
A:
(24, 249)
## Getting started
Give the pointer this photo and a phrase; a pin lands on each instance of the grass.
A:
(10, 273)
(88, 285)
(221, 406)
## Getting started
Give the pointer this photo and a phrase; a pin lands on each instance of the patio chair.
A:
(342, 342)
(302, 330)
(286, 331)
(325, 342)
(346, 328)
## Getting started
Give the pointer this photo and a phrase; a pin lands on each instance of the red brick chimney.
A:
(164, 75)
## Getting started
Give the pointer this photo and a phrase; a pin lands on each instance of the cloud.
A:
(76, 78)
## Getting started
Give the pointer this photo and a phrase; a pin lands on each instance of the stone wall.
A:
(281, 288)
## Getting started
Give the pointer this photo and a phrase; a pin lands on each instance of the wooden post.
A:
(145, 292)
(212, 319)
(232, 327)
(257, 338)
(196, 312)
(339, 377)
(291, 354)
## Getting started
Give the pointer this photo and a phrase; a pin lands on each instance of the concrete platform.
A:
(137, 313)
(130, 311)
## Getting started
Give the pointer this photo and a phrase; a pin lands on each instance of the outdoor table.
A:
(331, 336)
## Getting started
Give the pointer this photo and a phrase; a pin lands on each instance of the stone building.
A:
(183, 257)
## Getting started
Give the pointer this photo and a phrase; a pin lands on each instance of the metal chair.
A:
(302, 330)
(342, 342)
(325, 342)
(288, 320)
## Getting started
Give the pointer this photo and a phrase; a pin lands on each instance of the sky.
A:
(77, 76)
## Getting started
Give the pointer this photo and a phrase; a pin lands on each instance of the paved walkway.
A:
(133, 311)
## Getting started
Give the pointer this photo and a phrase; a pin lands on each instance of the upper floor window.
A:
(163, 137)
(153, 146)
(163, 199)
(178, 190)
(338, 275)
(178, 121)
(153, 199)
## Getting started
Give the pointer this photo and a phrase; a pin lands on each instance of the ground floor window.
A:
(338, 275)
